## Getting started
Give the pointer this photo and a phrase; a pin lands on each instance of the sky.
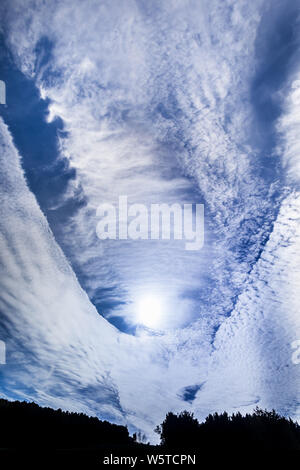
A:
(181, 101)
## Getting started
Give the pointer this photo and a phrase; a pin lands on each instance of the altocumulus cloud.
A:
(160, 103)
(60, 351)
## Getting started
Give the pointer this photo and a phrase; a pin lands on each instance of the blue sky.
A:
(185, 101)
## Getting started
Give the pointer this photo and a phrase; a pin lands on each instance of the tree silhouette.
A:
(263, 430)
(30, 428)
(26, 424)
(178, 430)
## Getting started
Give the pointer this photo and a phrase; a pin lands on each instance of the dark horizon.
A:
(29, 426)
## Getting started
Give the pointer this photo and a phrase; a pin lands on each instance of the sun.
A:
(150, 311)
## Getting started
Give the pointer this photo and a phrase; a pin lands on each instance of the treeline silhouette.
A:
(26, 428)
(261, 431)
(24, 424)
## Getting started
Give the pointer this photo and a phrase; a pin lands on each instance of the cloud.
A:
(288, 127)
(144, 119)
(60, 352)
(156, 105)
(252, 348)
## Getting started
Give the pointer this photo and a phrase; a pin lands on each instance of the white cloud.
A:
(155, 100)
(288, 126)
(147, 94)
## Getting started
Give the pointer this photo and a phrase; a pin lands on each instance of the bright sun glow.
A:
(150, 311)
